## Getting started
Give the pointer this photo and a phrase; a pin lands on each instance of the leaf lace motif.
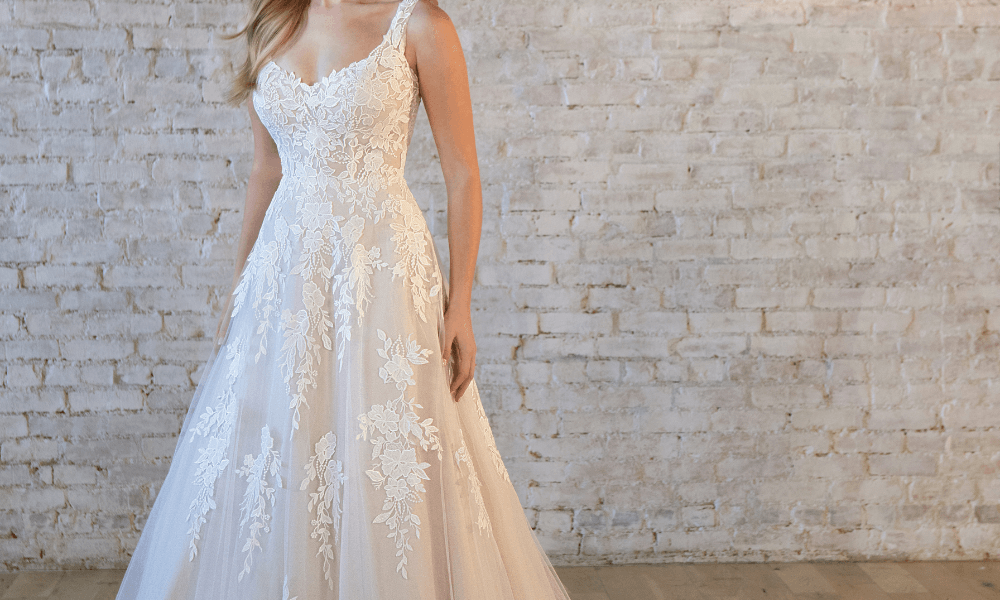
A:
(394, 450)
(264, 278)
(411, 244)
(355, 278)
(491, 444)
(315, 228)
(326, 240)
(475, 488)
(329, 475)
(253, 509)
(217, 424)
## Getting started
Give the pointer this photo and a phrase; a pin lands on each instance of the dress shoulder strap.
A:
(398, 27)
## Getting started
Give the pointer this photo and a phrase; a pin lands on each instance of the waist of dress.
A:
(359, 171)
(345, 188)
(371, 192)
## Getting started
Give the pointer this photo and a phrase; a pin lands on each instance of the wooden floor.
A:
(772, 581)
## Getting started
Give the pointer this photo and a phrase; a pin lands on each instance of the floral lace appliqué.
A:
(352, 284)
(394, 451)
(258, 494)
(262, 280)
(414, 259)
(217, 424)
(318, 231)
(329, 475)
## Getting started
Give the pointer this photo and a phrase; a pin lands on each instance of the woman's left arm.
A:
(444, 86)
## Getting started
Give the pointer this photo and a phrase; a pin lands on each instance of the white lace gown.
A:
(322, 456)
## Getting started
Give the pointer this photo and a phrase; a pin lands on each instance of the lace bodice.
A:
(347, 134)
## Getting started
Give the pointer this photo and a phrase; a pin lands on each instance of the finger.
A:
(465, 375)
(469, 374)
(456, 379)
(449, 339)
(461, 389)
(465, 385)
(452, 377)
(459, 375)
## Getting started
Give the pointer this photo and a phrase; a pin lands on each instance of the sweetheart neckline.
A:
(334, 72)
(311, 86)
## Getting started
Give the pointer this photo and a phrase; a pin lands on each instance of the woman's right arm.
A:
(265, 174)
(263, 182)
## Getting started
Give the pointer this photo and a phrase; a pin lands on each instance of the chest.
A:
(369, 103)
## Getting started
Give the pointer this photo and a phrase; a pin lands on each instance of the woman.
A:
(336, 446)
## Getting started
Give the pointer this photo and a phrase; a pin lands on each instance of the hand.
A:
(458, 333)
(227, 312)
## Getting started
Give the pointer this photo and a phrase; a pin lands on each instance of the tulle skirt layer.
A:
(322, 455)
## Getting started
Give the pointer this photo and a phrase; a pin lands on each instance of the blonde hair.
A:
(271, 25)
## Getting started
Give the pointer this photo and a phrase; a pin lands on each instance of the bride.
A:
(337, 446)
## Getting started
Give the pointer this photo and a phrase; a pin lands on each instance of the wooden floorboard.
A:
(954, 581)
(850, 582)
(943, 580)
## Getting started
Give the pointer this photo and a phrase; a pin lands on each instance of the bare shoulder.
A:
(429, 25)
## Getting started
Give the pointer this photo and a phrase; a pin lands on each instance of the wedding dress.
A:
(323, 456)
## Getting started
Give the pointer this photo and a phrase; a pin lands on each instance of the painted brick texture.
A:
(738, 293)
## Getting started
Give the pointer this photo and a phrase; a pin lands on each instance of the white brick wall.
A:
(737, 293)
